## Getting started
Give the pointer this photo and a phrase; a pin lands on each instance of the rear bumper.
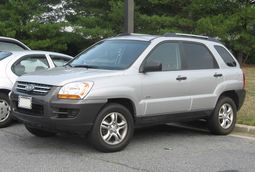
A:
(241, 97)
(58, 115)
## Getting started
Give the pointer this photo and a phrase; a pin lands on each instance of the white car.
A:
(17, 63)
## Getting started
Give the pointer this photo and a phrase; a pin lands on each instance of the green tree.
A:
(24, 20)
(161, 16)
(235, 27)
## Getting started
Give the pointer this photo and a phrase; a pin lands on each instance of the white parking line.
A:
(243, 136)
(235, 134)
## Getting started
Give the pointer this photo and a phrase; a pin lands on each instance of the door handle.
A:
(216, 75)
(179, 78)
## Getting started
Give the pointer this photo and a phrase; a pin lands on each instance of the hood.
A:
(61, 75)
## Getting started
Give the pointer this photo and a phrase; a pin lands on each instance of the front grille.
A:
(37, 110)
(33, 88)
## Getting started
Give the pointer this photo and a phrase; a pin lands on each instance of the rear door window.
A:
(197, 56)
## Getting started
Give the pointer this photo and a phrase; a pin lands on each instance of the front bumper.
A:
(56, 115)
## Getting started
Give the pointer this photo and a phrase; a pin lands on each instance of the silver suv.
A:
(133, 80)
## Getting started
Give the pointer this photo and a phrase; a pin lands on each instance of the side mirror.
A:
(151, 67)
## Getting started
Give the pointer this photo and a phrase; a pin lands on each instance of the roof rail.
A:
(130, 34)
(191, 36)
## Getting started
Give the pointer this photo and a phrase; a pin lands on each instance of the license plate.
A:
(25, 102)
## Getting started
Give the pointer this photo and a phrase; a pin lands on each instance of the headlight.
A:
(75, 90)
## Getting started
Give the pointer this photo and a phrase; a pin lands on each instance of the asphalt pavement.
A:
(154, 149)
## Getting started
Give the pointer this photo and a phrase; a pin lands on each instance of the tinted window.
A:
(6, 46)
(197, 56)
(225, 55)
(59, 60)
(168, 54)
(30, 64)
(111, 54)
(4, 55)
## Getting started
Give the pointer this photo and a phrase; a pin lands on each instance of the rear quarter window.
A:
(225, 55)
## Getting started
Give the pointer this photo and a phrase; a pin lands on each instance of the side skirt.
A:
(168, 118)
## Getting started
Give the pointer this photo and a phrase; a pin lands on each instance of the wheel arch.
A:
(5, 91)
(128, 103)
(233, 95)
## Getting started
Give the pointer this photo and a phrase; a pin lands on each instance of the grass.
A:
(246, 115)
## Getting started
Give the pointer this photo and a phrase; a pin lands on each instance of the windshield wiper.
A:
(86, 66)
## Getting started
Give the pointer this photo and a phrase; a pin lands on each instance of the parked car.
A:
(10, 44)
(128, 81)
(17, 63)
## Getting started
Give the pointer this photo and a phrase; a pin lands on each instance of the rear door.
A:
(203, 73)
(165, 92)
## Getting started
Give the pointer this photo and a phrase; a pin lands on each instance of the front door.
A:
(165, 92)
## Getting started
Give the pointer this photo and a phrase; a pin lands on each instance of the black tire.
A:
(39, 133)
(214, 121)
(95, 134)
(5, 122)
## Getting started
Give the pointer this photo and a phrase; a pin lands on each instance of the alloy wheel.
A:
(113, 128)
(226, 115)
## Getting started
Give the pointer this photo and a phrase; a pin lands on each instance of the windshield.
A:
(4, 55)
(110, 54)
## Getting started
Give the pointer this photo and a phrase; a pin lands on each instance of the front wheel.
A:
(223, 119)
(39, 132)
(112, 129)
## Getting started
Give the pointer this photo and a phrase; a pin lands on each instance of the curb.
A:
(245, 129)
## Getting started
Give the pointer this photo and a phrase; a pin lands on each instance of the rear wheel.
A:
(223, 119)
(113, 128)
(5, 111)
(39, 132)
